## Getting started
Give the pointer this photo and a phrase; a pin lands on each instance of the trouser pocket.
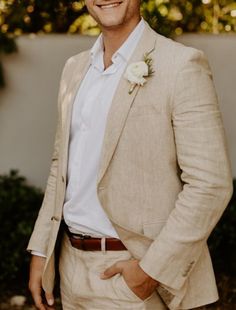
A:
(127, 292)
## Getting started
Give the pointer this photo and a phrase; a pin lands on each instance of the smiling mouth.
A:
(109, 5)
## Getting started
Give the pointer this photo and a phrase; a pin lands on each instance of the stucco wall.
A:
(29, 102)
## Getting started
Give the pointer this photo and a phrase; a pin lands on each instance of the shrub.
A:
(222, 242)
(19, 205)
(7, 46)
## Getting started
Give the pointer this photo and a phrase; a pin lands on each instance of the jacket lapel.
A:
(122, 102)
(75, 76)
(80, 68)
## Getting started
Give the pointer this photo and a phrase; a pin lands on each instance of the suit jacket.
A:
(164, 177)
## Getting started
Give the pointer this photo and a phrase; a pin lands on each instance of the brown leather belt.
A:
(88, 243)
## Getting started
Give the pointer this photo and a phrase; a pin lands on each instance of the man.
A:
(140, 173)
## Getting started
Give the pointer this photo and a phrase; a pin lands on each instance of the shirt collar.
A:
(123, 53)
(130, 43)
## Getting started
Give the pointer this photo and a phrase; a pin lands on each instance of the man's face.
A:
(111, 14)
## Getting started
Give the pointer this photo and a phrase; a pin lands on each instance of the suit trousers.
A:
(82, 288)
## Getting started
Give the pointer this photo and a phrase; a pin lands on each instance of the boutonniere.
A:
(137, 71)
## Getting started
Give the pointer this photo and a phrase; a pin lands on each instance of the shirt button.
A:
(83, 127)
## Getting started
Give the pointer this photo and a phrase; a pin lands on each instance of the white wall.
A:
(28, 103)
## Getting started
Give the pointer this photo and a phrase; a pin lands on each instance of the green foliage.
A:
(165, 16)
(222, 242)
(178, 16)
(19, 205)
(41, 15)
(169, 17)
(7, 46)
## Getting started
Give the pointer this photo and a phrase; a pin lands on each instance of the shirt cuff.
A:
(38, 254)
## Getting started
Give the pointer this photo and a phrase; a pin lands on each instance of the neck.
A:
(114, 38)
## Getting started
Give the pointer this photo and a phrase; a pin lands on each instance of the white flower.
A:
(135, 73)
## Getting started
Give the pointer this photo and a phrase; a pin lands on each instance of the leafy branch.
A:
(7, 46)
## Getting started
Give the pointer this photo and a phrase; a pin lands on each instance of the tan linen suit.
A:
(164, 177)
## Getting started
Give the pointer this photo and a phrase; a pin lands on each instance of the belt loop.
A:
(103, 245)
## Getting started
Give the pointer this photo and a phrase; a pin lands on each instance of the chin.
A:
(111, 23)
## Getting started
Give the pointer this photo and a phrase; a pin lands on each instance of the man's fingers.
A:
(113, 270)
(35, 281)
(36, 294)
(49, 298)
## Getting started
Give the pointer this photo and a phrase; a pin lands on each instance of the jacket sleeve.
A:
(205, 173)
(40, 236)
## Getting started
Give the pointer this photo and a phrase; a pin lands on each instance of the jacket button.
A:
(55, 218)
(63, 179)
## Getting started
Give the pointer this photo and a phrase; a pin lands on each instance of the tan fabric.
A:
(82, 288)
(164, 177)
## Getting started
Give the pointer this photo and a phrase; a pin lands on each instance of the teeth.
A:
(107, 6)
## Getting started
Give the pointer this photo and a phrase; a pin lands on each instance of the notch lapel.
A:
(75, 77)
(80, 68)
(122, 102)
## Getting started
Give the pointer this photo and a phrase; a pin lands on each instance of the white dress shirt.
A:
(82, 209)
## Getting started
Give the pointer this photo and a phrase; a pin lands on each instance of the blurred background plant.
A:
(165, 16)
(19, 205)
(222, 242)
(7, 46)
(222, 245)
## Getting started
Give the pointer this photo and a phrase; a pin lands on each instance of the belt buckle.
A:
(82, 236)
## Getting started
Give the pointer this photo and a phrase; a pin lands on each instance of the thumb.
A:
(113, 270)
(49, 298)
